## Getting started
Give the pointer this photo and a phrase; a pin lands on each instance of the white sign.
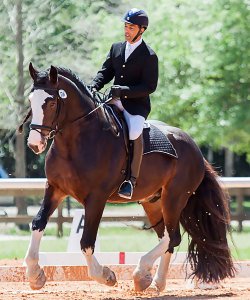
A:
(76, 233)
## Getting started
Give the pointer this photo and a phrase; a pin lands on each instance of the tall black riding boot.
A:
(127, 187)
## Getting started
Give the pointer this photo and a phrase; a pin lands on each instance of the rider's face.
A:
(130, 31)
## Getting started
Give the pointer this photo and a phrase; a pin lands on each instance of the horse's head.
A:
(45, 103)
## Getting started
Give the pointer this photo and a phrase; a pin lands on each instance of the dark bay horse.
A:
(87, 162)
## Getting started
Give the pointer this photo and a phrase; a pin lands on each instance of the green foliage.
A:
(16, 249)
(227, 81)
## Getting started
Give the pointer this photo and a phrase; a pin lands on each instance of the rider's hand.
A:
(116, 91)
(92, 89)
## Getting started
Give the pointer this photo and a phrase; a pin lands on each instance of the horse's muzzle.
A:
(37, 149)
(37, 142)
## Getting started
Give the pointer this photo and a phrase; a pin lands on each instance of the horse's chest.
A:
(60, 171)
(66, 178)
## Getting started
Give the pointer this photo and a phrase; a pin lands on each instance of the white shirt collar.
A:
(131, 47)
(134, 45)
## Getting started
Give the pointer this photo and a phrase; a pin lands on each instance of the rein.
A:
(100, 105)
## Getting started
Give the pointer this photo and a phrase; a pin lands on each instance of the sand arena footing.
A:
(123, 272)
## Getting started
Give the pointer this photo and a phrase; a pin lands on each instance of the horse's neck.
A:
(77, 105)
(81, 122)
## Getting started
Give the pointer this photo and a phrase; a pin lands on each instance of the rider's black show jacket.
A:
(137, 76)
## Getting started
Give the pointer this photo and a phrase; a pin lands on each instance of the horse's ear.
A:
(53, 75)
(33, 71)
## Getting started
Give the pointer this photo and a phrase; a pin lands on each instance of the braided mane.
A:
(73, 77)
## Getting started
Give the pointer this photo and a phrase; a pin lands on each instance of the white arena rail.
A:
(22, 183)
(239, 187)
(235, 182)
(39, 183)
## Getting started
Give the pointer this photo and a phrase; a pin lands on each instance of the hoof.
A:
(207, 286)
(153, 289)
(39, 282)
(157, 286)
(197, 284)
(142, 280)
(110, 276)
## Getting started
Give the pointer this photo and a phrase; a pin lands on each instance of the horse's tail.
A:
(206, 219)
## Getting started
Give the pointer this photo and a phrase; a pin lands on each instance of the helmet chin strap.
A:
(138, 34)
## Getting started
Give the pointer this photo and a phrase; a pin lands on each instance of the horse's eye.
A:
(52, 104)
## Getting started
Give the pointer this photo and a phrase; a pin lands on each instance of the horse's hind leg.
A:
(35, 274)
(155, 216)
(160, 277)
(172, 203)
(142, 274)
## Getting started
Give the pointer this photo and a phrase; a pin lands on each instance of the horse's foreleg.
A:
(142, 274)
(99, 273)
(159, 280)
(34, 272)
(93, 214)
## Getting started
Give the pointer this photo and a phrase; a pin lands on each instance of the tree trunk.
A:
(210, 155)
(20, 159)
(229, 163)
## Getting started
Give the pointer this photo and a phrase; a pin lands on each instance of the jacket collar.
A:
(123, 47)
(134, 54)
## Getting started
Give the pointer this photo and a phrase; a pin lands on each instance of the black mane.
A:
(44, 75)
(73, 77)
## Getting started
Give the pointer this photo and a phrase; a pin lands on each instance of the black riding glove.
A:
(92, 88)
(116, 91)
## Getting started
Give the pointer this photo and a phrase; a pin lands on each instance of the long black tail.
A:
(206, 219)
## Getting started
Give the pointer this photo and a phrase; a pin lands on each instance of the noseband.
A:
(52, 131)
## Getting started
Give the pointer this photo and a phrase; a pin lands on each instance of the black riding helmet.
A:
(136, 16)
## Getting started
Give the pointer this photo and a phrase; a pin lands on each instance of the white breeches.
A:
(135, 122)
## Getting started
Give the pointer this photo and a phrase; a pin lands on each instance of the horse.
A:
(87, 162)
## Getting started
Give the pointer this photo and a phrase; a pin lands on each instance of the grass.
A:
(15, 249)
(234, 205)
(240, 244)
(114, 239)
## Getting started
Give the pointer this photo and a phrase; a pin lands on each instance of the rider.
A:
(134, 67)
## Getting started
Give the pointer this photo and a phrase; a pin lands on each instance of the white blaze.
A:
(37, 99)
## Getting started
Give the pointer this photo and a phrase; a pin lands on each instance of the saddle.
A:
(154, 139)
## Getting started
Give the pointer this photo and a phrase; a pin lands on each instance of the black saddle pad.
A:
(156, 141)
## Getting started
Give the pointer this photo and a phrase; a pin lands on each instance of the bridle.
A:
(99, 101)
(59, 101)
